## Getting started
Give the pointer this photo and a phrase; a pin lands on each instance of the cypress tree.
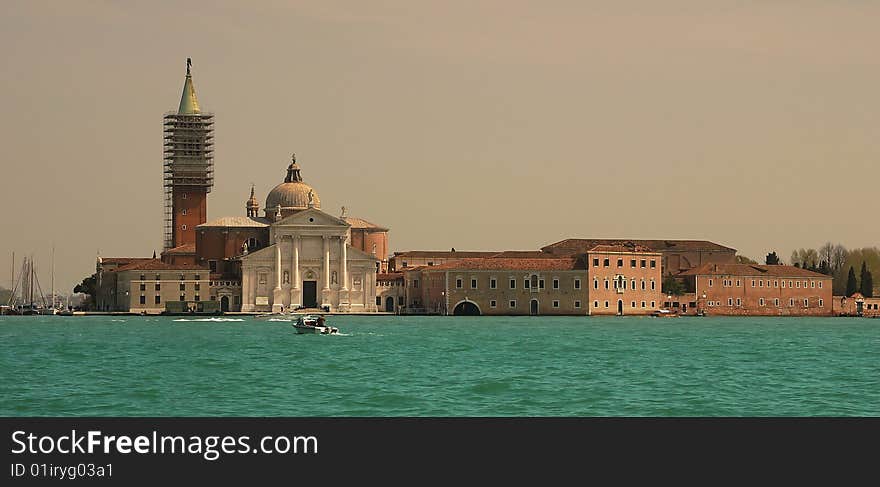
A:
(867, 287)
(851, 284)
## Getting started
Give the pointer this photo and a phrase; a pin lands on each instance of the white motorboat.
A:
(309, 324)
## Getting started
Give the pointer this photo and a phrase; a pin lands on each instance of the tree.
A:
(838, 258)
(5, 295)
(742, 259)
(867, 282)
(826, 252)
(851, 284)
(87, 287)
(672, 286)
(772, 259)
(824, 268)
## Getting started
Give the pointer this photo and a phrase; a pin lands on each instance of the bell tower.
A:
(188, 174)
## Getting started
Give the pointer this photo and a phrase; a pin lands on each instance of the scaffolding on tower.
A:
(188, 161)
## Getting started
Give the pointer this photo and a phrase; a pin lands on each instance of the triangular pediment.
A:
(312, 217)
(358, 254)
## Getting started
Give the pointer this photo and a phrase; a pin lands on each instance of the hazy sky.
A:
(478, 125)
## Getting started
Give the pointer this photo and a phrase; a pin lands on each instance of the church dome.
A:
(292, 194)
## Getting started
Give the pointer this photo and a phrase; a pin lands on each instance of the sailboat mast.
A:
(52, 285)
(13, 271)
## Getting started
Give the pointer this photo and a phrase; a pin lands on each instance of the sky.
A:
(478, 124)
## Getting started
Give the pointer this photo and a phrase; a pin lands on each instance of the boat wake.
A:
(210, 319)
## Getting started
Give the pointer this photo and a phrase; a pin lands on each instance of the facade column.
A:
(295, 291)
(326, 262)
(246, 298)
(343, 262)
(277, 299)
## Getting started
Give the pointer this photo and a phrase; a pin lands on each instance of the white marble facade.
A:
(311, 265)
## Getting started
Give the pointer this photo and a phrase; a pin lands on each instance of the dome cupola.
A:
(292, 195)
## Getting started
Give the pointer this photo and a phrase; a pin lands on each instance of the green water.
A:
(440, 366)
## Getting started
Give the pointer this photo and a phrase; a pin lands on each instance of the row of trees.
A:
(865, 285)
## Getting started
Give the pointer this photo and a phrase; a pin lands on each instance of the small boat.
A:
(308, 324)
(665, 313)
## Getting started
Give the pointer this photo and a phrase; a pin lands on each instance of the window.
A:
(182, 286)
(555, 304)
(183, 196)
(540, 284)
(653, 285)
(632, 305)
(730, 301)
(493, 304)
(158, 277)
(197, 298)
(577, 283)
(653, 263)
(183, 227)
(415, 282)
(812, 284)
(143, 299)
(737, 283)
(212, 265)
(776, 302)
(760, 283)
(143, 277)
(643, 263)
(430, 263)
(458, 284)
(595, 304)
(183, 212)
(493, 283)
(577, 304)
(632, 263)
(606, 283)
(632, 285)
(753, 283)
(158, 286)
(262, 278)
(513, 284)
(653, 304)
(143, 287)
(820, 287)
(822, 303)
(775, 283)
(378, 300)
(791, 302)
(619, 262)
(512, 303)
(198, 287)
(534, 282)
(556, 283)
(526, 283)
(404, 263)
(806, 303)
(710, 282)
(158, 299)
(644, 304)
(761, 301)
(183, 297)
(606, 304)
(473, 283)
(643, 284)
(783, 284)
(606, 263)
(596, 262)
(400, 300)
(197, 277)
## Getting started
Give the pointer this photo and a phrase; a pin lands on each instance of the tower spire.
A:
(189, 104)
(293, 175)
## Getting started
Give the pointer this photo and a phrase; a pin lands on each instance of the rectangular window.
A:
(783, 284)
(540, 284)
(799, 284)
(158, 286)
(415, 283)
(632, 305)
(643, 284)
(776, 302)
(775, 283)
(606, 284)
(643, 263)
(198, 287)
(430, 263)
(596, 262)
(806, 303)
(143, 299)
(653, 285)
(633, 285)
(653, 304)
(653, 263)
(183, 297)
(644, 304)
(526, 284)
(761, 301)
(400, 300)
(753, 283)
(555, 283)
(378, 300)
(577, 283)
(197, 277)
(143, 277)
(760, 283)
(822, 303)
(158, 277)
(739, 302)
(473, 283)
(513, 284)
(812, 284)
(493, 283)
(606, 262)
(158, 299)
(632, 263)
(512, 303)
(493, 303)
(143, 287)
(737, 283)
(555, 304)
(458, 284)
(182, 286)
(404, 263)
(619, 262)
(730, 301)
(606, 304)
(710, 282)
(577, 304)
(820, 285)
(791, 302)
(595, 304)
(197, 298)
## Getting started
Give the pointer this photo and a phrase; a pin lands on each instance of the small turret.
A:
(253, 206)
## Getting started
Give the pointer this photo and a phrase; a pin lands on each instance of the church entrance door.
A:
(310, 294)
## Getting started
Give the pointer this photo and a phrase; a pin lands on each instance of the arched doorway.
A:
(466, 308)
(224, 304)
(619, 307)
(389, 304)
(533, 307)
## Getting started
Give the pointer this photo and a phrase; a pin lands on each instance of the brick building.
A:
(624, 280)
(676, 255)
(758, 290)
(148, 285)
(856, 305)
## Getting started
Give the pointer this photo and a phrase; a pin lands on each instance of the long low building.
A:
(758, 290)
(607, 280)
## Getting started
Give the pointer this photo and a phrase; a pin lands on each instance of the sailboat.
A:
(28, 287)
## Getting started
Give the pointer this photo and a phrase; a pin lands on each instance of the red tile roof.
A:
(577, 245)
(544, 264)
(158, 265)
(390, 276)
(181, 249)
(361, 223)
(444, 254)
(123, 260)
(752, 270)
(621, 248)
